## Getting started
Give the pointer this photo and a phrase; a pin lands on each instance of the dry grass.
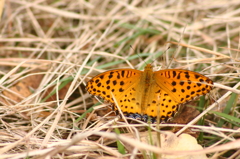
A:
(58, 43)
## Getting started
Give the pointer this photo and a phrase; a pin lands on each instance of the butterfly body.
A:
(142, 94)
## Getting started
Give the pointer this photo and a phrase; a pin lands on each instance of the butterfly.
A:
(148, 94)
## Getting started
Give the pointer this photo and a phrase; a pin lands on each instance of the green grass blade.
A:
(226, 111)
(228, 118)
(85, 113)
(120, 146)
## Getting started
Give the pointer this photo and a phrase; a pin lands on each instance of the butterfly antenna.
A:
(137, 54)
(179, 41)
(163, 53)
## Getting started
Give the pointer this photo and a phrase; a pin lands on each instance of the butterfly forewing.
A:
(183, 85)
(123, 83)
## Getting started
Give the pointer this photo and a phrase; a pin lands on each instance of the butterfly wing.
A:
(182, 85)
(159, 103)
(123, 84)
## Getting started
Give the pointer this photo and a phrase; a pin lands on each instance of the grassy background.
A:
(49, 49)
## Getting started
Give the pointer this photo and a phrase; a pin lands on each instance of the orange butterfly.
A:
(143, 94)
